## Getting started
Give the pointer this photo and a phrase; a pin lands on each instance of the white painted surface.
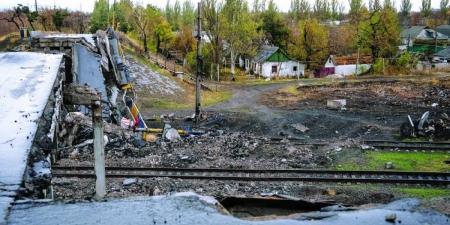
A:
(88, 37)
(188, 209)
(443, 65)
(284, 69)
(347, 70)
(26, 81)
(329, 63)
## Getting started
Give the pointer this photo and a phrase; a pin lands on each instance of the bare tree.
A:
(141, 22)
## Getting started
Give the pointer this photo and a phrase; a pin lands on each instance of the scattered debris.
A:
(337, 104)
(300, 127)
(389, 166)
(171, 134)
(391, 217)
(439, 127)
(129, 181)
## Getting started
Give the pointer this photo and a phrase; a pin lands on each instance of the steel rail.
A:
(416, 145)
(299, 175)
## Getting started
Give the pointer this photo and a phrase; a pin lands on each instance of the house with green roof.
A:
(271, 61)
(423, 39)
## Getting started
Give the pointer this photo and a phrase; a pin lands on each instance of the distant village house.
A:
(271, 61)
(345, 65)
(422, 39)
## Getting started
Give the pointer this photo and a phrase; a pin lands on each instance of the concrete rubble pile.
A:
(93, 69)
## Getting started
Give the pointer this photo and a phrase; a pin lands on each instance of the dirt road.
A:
(247, 111)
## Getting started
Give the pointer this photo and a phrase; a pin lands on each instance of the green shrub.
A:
(378, 66)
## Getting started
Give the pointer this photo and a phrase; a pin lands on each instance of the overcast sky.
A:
(88, 5)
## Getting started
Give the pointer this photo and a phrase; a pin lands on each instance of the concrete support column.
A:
(99, 151)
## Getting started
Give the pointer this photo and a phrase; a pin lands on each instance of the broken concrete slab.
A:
(337, 104)
(129, 181)
(300, 127)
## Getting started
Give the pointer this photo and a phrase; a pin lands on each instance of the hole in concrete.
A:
(266, 207)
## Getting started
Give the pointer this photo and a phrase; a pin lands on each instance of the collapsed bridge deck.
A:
(26, 83)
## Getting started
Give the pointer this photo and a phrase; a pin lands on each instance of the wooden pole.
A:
(199, 63)
(99, 151)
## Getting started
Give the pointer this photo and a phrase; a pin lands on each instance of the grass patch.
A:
(403, 161)
(292, 89)
(186, 101)
(9, 41)
(158, 103)
(209, 98)
(424, 193)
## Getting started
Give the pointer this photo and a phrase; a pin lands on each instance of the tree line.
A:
(46, 19)
(234, 28)
(308, 32)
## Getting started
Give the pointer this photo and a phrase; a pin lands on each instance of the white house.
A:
(271, 61)
(345, 65)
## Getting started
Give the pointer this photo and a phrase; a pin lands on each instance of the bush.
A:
(378, 66)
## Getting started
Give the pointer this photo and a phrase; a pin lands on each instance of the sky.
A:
(88, 5)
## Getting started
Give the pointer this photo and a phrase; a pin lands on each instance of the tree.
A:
(321, 9)
(274, 27)
(389, 4)
(58, 18)
(259, 6)
(12, 16)
(304, 9)
(309, 42)
(31, 15)
(374, 5)
(299, 10)
(187, 14)
(335, 8)
(176, 15)
(77, 22)
(184, 40)
(425, 8)
(99, 17)
(341, 39)
(405, 11)
(213, 27)
(239, 30)
(163, 34)
(122, 11)
(379, 33)
(356, 9)
(141, 22)
(45, 18)
(444, 9)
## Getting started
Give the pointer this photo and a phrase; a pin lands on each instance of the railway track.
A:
(378, 145)
(294, 175)
(402, 146)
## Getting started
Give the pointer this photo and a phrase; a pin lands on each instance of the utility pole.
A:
(114, 15)
(357, 62)
(99, 151)
(35, 5)
(199, 63)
